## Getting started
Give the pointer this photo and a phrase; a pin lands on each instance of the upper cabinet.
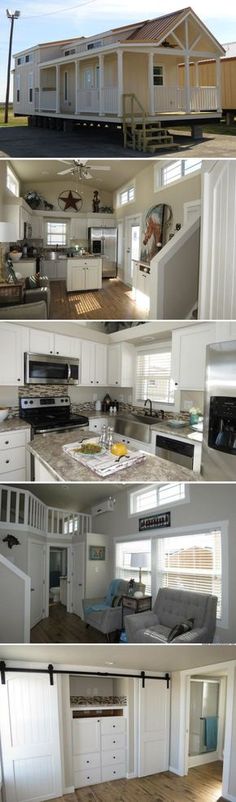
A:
(189, 355)
(14, 342)
(93, 363)
(121, 365)
(44, 342)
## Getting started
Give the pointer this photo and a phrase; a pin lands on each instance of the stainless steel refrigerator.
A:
(219, 428)
(103, 242)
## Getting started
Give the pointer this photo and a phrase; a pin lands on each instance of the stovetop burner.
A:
(50, 413)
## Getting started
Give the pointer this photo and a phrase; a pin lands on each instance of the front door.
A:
(78, 578)
(154, 723)
(132, 246)
(37, 575)
(30, 738)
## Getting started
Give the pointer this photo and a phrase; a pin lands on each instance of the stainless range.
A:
(50, 414)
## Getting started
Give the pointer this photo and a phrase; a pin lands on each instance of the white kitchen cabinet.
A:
(67, 346)
(95, 424)
(79, 228)
(189, 355)
(99, 749)
(121, 360)
(44, 342)
(93, 363)
(54, 269)
(101, 221)
(37, 223)
(27, 267)
(14, 342)
(14, 461)
(84, 274)
(25, 218)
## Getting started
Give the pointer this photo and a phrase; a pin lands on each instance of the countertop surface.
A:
(11, 424)
(48, 450)
(158, 425)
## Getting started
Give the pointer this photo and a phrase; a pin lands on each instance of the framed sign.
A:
(97, 552)
(154, 521)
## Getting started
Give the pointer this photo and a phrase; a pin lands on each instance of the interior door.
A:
(78, 577)
(217, 297)
(37, 575)
(132, 245)
(154, 720)
(30, 738)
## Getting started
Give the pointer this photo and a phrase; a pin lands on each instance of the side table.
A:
(135, 605)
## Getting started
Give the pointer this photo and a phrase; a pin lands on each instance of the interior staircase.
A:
(138, 132)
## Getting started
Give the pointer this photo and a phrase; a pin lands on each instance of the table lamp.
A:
(139, 560)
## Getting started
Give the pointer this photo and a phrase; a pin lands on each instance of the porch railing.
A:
(88, 100)
(48, 100)
(110, 99)
(173, 98)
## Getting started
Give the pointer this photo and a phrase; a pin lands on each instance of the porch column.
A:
(187, 84)
(196, 73)
(57, 88)
(101, 83)
(77, 86)
(120, 81)
(150, 83)
(218, 83)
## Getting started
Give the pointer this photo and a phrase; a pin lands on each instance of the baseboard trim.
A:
(175, 771)
(69, 789)
(130, 776)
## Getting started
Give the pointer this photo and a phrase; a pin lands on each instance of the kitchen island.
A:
(53, 465)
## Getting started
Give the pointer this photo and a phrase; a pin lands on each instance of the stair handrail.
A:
(27, 590)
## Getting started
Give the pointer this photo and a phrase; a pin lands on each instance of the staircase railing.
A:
(20, 510)
(130, 102)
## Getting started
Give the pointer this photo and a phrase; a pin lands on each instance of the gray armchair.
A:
(174, 607)
(36, 310)
(101, 615)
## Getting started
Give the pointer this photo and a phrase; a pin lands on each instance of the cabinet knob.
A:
(6, 442)
(87, 761)
(91, 382)
(97, 382)
(7, 461)
(50, 352)
(18, 380)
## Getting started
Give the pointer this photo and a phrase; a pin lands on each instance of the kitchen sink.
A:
(149, 419)
(136, 429)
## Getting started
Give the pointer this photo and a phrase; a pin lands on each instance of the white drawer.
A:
(12, 460)
(89, 777)
(113, 757)
(16, 476)
(112, 724)
(12, 439)
(113, 741)
(111, 773)
(83, 762)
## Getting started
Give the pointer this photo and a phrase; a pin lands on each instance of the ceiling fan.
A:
(80, 168)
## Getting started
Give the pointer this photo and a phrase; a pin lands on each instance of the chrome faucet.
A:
(148, 401)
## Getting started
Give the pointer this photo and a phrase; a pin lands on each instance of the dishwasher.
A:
(175, 451)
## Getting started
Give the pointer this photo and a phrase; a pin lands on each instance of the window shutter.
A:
(192, 563)
(153, 377)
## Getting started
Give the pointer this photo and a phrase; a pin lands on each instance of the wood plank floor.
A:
(203, 784)
(113, 302)
(63, 627)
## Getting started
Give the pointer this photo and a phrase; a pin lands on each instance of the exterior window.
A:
(20, 60)
(29, 58)
(30, 87)
(56, 233)
(127, 565)
(193, 563)
(88, 78)
(69, 52)
(92, 45)
(179, 169)
(153, 376)
(12, 182)
(158, 78)
(126, 196)
(65, 86)
(151, 497)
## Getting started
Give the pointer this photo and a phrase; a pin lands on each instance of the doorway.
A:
(132, 246)
(58, 579)
(36, 563)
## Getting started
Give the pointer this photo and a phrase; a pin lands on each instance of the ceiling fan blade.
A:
(93, 167)
(65, 161)
(65, 172)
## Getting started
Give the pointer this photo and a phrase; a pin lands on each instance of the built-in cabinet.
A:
(99, 748)
(121, 365)
(84, 274)
(54, 269)
(93, 363)
(14, 341)
(14, 460)
(45, 342)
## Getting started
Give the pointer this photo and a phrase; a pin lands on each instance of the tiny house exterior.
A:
(227, 76)
(103, 77)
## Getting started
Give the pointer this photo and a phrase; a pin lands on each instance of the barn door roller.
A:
(51, 671)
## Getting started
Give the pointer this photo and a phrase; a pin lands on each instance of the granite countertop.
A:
(13, 423)
(179, 432)
(48, 450)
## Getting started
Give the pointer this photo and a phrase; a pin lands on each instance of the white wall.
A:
(51, 190)
(97, 571)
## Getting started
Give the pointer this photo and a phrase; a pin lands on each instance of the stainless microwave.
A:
(49, 369)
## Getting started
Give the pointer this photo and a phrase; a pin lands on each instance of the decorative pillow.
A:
(179, 629)
(32, 282)
(116, 601)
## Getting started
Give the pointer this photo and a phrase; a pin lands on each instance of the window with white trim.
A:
(153, 496)
(191, 563)
(153, 375)
(158, 75)
(12, 182)
(126, 195)
(175, 170)
(56, 232)
(29, 58)
(124, 568)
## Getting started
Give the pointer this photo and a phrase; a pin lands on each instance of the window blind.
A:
(153, 377)
(193, 563)
(123, 561)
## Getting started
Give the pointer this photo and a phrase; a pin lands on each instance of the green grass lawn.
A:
(11, 119)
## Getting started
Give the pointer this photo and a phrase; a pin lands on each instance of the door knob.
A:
(32, 589)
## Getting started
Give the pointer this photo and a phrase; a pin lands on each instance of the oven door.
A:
(41, 369)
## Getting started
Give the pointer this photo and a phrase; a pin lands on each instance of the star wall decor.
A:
(70, 199)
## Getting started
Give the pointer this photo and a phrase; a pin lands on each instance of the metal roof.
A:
(156, 29)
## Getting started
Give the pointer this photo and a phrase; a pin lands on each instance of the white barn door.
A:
(217, 283)
(154, 728)
(30, 738)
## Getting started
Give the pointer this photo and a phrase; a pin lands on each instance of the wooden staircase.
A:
(138, 132)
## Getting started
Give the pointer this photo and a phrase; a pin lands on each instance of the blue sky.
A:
(45, 20)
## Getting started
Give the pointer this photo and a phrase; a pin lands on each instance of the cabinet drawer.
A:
(111, 773)
(12, 439)
(16, 476)
(84, 762)
(112, 724)
(113, 741)
(113, 757)
(90, 777)
(12, 460)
